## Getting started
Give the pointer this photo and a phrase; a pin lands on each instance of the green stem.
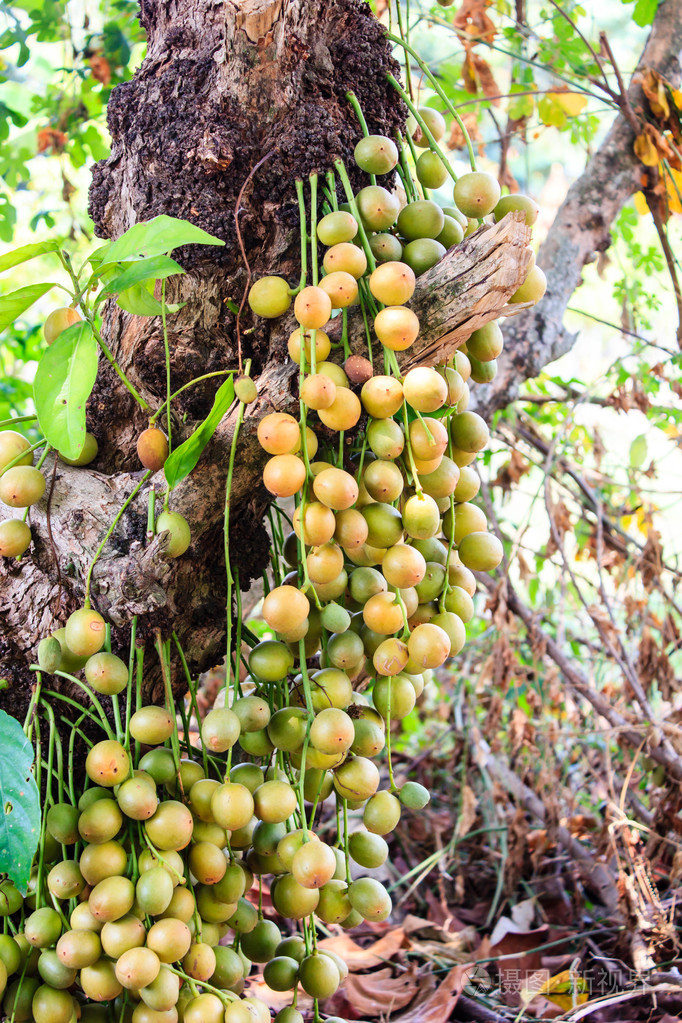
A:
(422, 124)
(304, 240)
(353, 100)
(26, 451)
(226, 537)
(437, 87)
(17, 419)
(190, 383)
(345, 180)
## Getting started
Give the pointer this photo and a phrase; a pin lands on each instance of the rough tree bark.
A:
(224, 85)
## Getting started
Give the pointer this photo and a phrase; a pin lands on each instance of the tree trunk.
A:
(223, 87)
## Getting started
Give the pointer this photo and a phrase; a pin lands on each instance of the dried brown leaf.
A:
(358, 958)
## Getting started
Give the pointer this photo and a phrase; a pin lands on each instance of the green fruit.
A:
(486, 343)
(454, 627)
(421, 219)
(287, 728)
(393, 697)
(378, 207)
(12, 444)
(288, 1015)
(170, 827)
(62, 823)
(87, 454)
(382, 812)
(137, 968)
(476, 194)
(154, 890)
(200, 962)
(370, 899)
(106, 673)
(483, 372)
(431, 171)
(386, 248)
(232, 806)
(111, 898)
(98, 862)
(159, 764)
(85, 632)
(524, 203)
(335, 618)
(121, 935)
(434, 121)
(469, 431)
(70, 661)
(249, 775)
(10, 954)
(162, 994)
(51, 1005)
(281, 973)
(21, 486)
(423, 253)
(43, 927)
(77, 949)
(356, 779)
(532, 290)
(137, 798)
(53, 971)
(271, 660)
(260, 943)
(179, 536)
(384, 523)
(253, 713)
(452, 233)
(269, 297)
(274, 801)
(334, 905)
(151, 725)
(459, 601)
(291, 899)
(206, 1008)
(229, 967)
(376, 154)
(319, 976)
(65, 880)
(15, 539)
(368, 849)
(414, 796)
(480, 552)
(18, 998)
(245, 390)
(337, 227)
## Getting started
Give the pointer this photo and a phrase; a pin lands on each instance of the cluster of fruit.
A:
(139, 905)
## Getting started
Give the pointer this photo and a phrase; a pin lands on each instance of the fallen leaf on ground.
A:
(379, 993)
(358, 958)
(438, 1005)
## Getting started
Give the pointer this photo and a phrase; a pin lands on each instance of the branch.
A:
(581, 228)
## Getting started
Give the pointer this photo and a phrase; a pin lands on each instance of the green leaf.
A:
(17, 302)
(63, 383)
(156, 236)
(644, 12)
(139, 301)
(638, 452)
(17, 256)
(20, 809)
(152, 269)
(181, 461)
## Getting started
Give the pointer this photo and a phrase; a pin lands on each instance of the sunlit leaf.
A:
(182, 460)
(63, 383)
(19, 803)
